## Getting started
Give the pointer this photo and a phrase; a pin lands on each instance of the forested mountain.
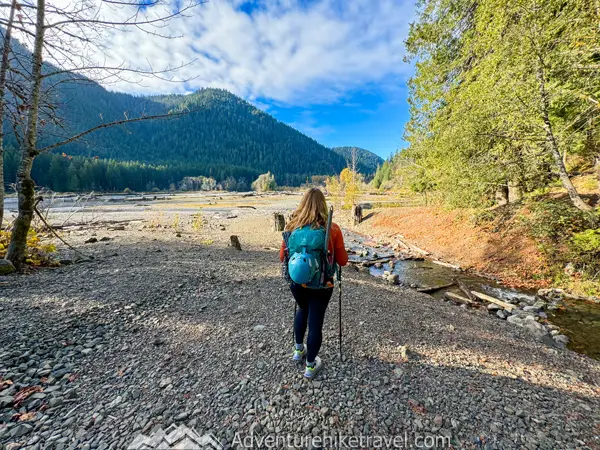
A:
(366, 161)
(221, 136)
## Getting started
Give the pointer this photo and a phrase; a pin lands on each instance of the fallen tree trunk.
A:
(582, 298)
(412, 247)
(93, 223)
(435, 288)
(465, 289)
(487, 298)
(458, 298)
(369, 263)
(445, 264)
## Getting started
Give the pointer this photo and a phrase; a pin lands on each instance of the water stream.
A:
(580, 321)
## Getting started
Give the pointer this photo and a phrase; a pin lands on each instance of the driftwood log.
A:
(445, 264)
(434, 288)
(278, 222)
(357, 214)
(465, 289)
(487, 298)
(458, 298)
(235, 242)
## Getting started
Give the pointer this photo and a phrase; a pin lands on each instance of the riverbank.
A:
(510, 256)
(170, 325)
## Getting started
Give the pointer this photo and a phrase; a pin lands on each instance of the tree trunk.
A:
(553, 146)
(25, 185)
(235, 242)
(502, 195)
(515, 193)
(278, 222)
(3, 69)
(357, 214)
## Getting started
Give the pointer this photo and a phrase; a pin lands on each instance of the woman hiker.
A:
(306, 238)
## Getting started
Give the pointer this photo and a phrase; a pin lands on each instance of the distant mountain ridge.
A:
(367, 162)
(223, 137)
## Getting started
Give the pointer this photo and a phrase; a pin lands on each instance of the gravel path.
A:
(163, 330)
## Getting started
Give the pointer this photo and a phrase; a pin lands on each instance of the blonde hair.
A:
(312, 210)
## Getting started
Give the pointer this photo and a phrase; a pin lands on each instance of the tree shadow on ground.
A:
(216, 323)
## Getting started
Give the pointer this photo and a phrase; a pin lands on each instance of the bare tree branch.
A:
(109, 124)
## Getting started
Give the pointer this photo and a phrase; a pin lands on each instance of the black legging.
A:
(312, 304)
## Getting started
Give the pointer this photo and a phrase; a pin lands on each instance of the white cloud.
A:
(291, 52)
(310, 126)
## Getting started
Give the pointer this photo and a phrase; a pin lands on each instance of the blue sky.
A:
(374, 121)
(333, 69)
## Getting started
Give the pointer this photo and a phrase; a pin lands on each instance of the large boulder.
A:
(6, 267)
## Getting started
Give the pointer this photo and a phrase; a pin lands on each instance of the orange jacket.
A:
(336, 245)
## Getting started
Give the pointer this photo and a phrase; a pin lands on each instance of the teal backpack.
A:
(308, 264)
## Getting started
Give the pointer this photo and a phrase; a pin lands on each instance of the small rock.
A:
(561, 339)
(404, 351)
(20, 430)
(115, 402)
(184, 415)
(438, 421)
(259, 327)
(91, 240)
(6, 401)
(55, 401)
(516, 320)
(6, 267)
(159, 341)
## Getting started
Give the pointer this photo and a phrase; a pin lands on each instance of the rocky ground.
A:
(167, 327)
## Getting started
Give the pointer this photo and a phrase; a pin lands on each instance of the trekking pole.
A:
(340, 307)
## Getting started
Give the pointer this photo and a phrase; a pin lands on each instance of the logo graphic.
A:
(175, 438)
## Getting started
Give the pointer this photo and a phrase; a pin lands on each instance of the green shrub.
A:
(568, 237)
(264, 183)
(557, 220)
(585, 253)
(587, 241)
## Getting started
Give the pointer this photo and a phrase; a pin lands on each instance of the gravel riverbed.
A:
(164, 328)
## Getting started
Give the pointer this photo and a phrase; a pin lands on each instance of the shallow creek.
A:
(578, 320)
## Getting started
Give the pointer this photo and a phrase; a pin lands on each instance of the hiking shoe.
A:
(299, 355)
(310, 372)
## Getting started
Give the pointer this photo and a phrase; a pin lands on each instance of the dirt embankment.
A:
(452, 236)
